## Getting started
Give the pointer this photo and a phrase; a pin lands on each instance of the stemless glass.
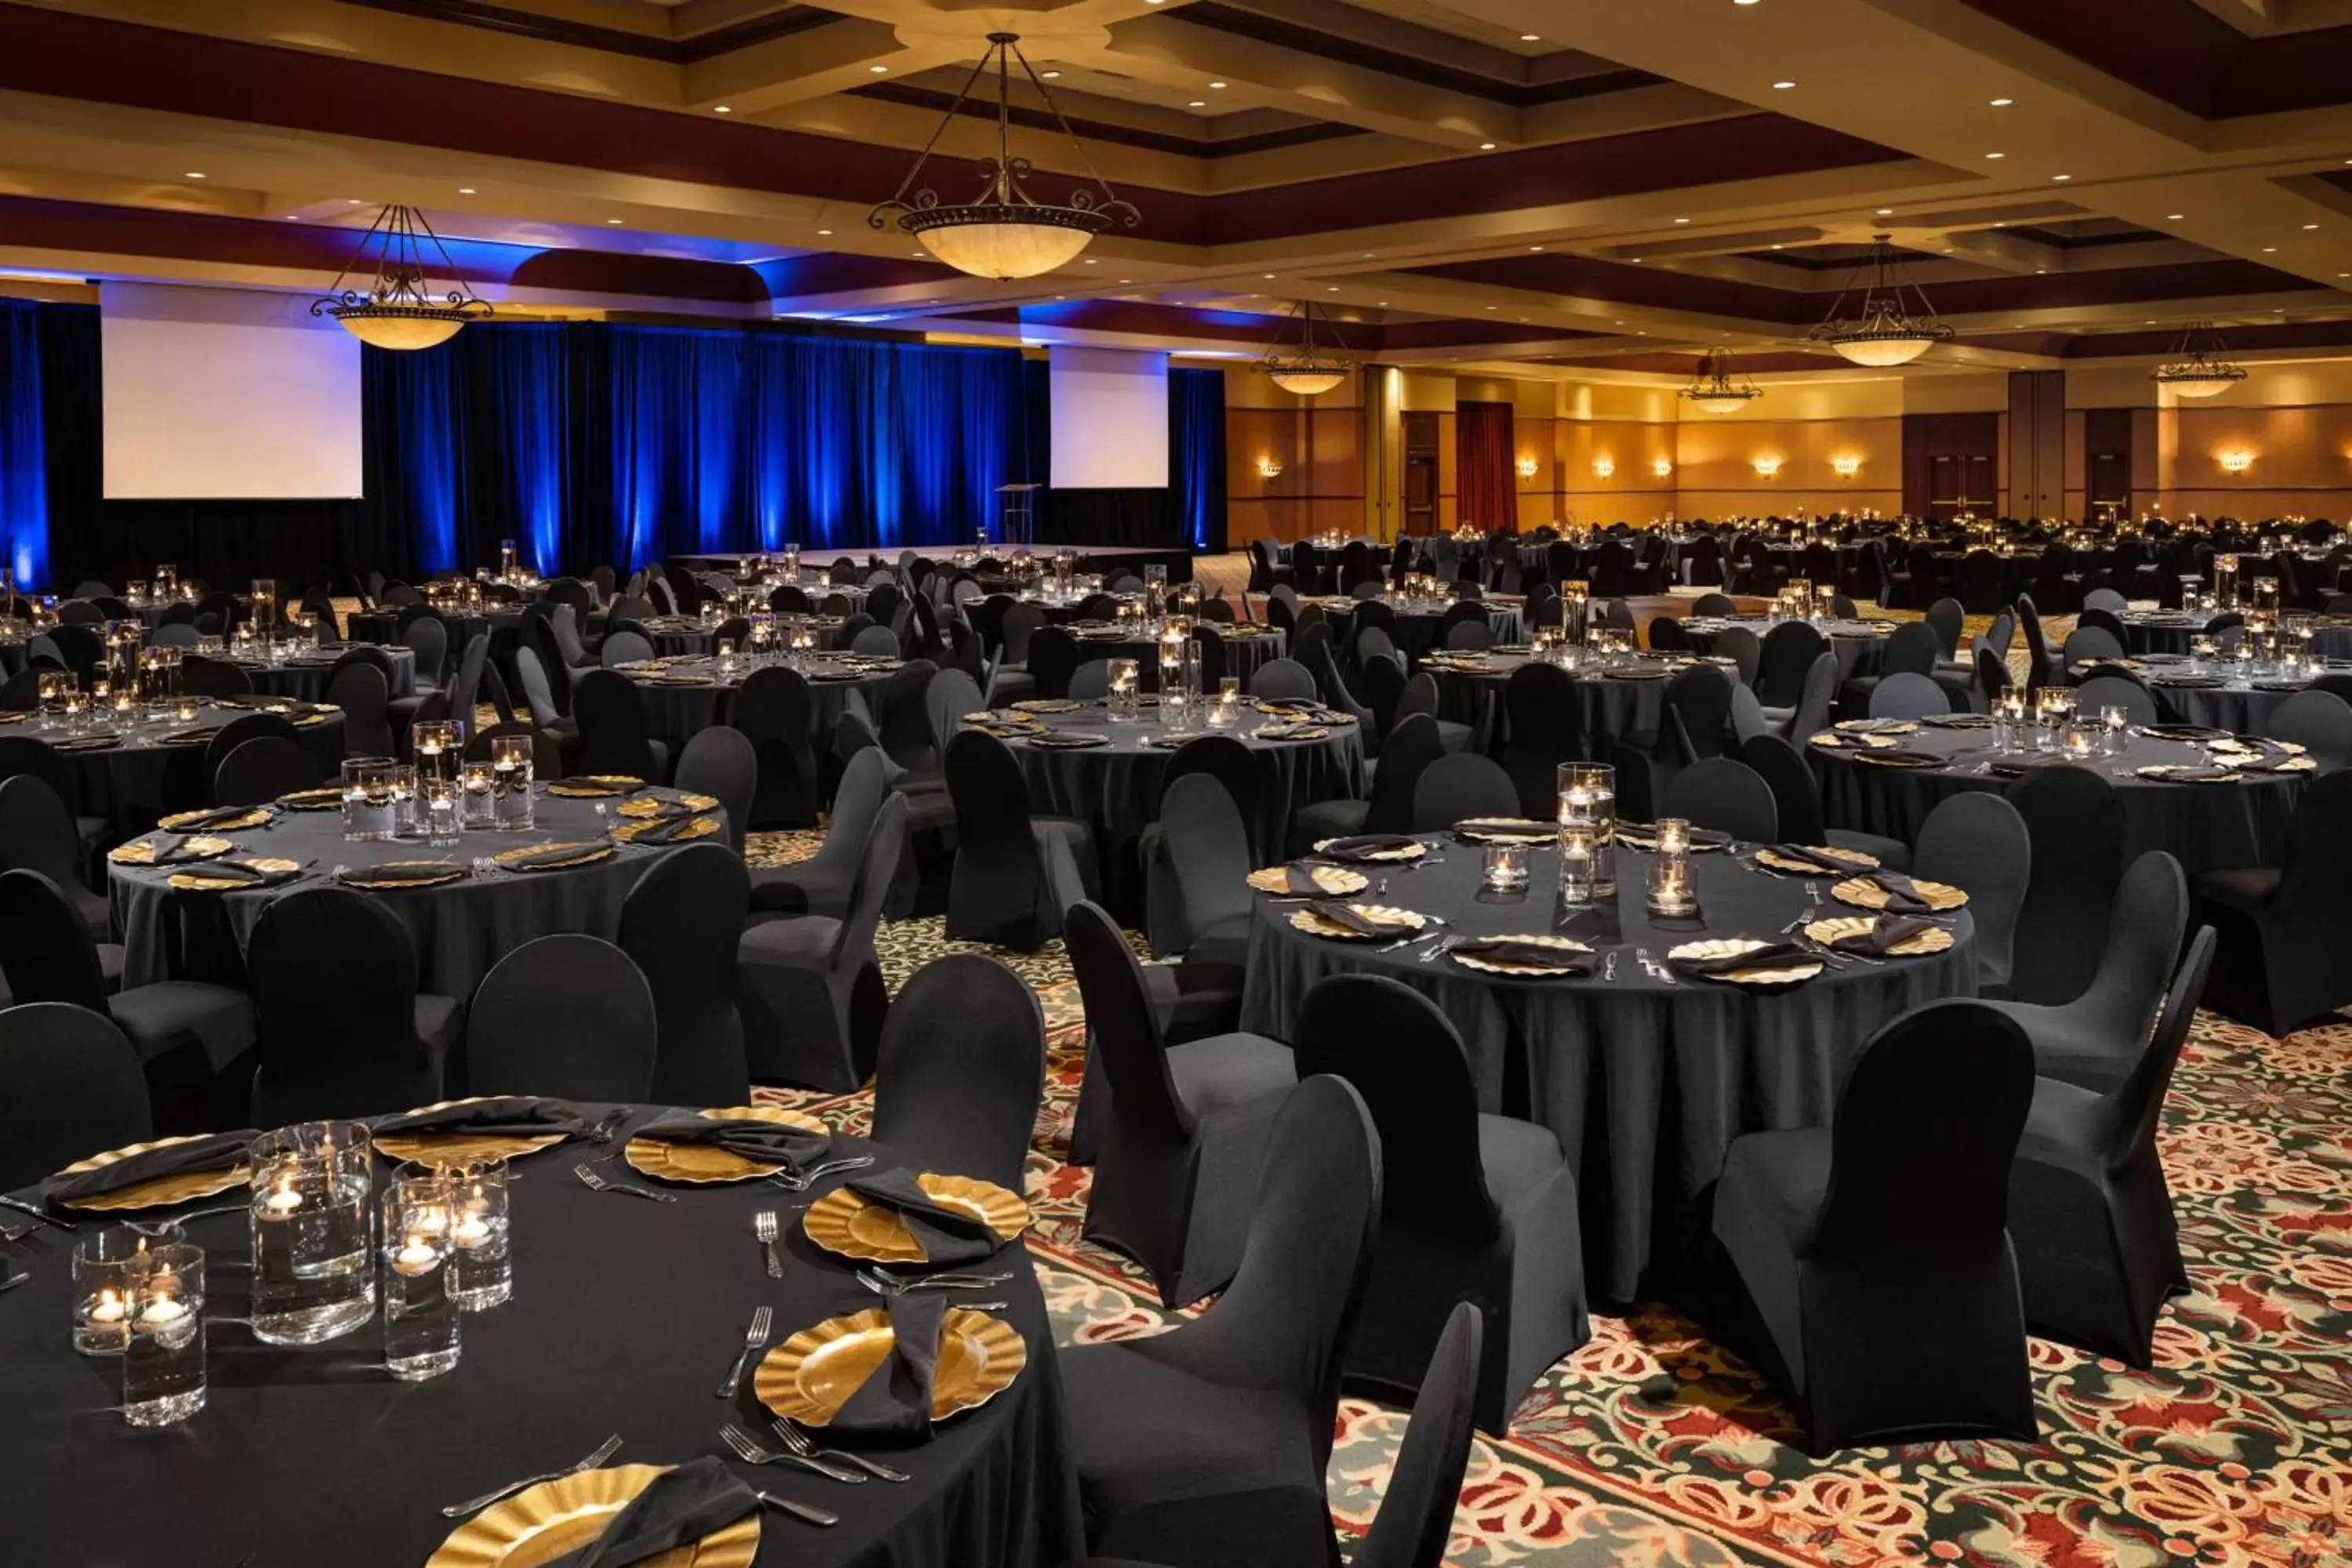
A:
(485, 1264)
(439, 803)
(510, 761)
(420, 1314)
(477, 806)
(312, 1277)
(163, 1354)
(103, 1263)
(367, 799)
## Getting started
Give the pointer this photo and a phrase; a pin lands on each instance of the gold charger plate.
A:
(330, 798)
(705, 1163)
(1830, 741)
(1863, 894)
(254, 819)
(1046, 705)
(196, 881)
(1874, 727)
(675, 805)
(359, 875)
(2167, 770)
(1853, 857)
(1731, 947)
(161, 1192)
(1412, 851)
(1935, 939)
(811, 1375)
(593, 787)
(1533, 971)
(1337, 881)
(1401, 922)
(696, 827)
(845, 1224)
(556, 1518)
(1505, 830)
(439, 1149)
(586, 855)
(141, 852)
(1285, 732)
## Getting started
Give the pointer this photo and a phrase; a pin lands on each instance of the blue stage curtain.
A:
(519, 379)
(1196, 455)
(24, 443)
(415, 401)
(677, 433)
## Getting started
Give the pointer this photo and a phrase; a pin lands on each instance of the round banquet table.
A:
(1857, 644)
(1246, 653)
(1645, 1081)
(2170, 631)
(461, 928)
(2207, 826)
(624, 1317)
(688, 695)
(1418, 620)
(2238, 703)
(304, 677)
(132, 775)
(1627, 700)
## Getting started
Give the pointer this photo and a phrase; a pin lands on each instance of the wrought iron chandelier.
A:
(1306, 369)
(399, 310)
(1004, 234)
(2198, 371)
(1883, 330)
(1714, 388)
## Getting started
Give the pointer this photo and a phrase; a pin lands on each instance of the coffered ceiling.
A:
(1563, 187)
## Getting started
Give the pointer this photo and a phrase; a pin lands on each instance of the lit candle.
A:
(471, 1232)
(110, 1307)
(418, 1257)
(163, 1306)
(283, 1200)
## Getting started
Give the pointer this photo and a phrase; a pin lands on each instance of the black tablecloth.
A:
(694, 698)
(1644, 1083)
(625, 1315)
(461, 928)
(1244, 654)
(1859, 644)
(2209, 827)
(1629, 700)
(139, 778)
(306, 678)
(1417, 622)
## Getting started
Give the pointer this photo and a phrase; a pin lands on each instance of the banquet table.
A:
(304, 675)
(2170, 631)
(133, 775)
(1418, 620)
(688, 695)
(2208, 826)
(1247, 649)
(624, 1317)
(461, 928)
(1627, 699)
(2237, 702)
(1645, 1081)
(1857, 644)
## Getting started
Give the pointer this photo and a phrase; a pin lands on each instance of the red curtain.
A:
(1485, 494)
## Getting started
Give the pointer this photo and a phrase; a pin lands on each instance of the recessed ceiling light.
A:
(1996, 155)
(720, 109)
(1682, 220)
(1535, 247)
(1486, 146)
(354, 202)
(465, 190)
(1782, 86)
(1198, 103)
(1051, 76)
(2269, 250)
(877, 70)
(2062, 178)
(1330, 287)
(1492, 307)
(612, 220)
(1383, 303)
(1530, 38)
(2002, 103)
(2309, 226)
(824, 231)
(196, 175)
(1267, 276)
(1092, 259)
(1215, 86)
(2174, 217)
(1886, 212)
(1779, 247)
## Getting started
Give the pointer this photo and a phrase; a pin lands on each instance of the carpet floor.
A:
(1654, 1445)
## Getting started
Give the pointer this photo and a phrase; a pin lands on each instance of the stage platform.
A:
(1105, 558)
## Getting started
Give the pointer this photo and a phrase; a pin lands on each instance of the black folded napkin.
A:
(1898, 757)
(894, 1400)
(1059, 743)
(1294, 729)
(2184, 732)
(245, 876)
(184, 737)
(763, 1143)
(682, 1506)
(1765, 957)
(212, 821)
(1885, 933)
(85, 743)
(1814, 862)
(219, 1152)
(2198, 773)
(1875, 726)
(946, 1235)
(173, 850)
(497, 1116)
(2266, 762)
(1510, 949)
(1365, 845)
(1342, 915)
(553, 855)
(394, 876)
(1902, 894)
(666, 830)
(1299, 877)
(1286, 705)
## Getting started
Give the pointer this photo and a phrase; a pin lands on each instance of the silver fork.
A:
(1658, 972)
(750, 1453)
(595, 1183)
(763, 1225)
(883, 1284)
(801, 1443)
(604, 1450)
(755, 1337)
(801, 1181)
(1446, 945)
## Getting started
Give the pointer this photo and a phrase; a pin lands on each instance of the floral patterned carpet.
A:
(1655, 1447)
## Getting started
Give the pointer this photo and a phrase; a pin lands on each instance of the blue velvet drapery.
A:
(24, 462)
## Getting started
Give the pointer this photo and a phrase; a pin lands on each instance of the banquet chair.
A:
(340, 1027)
(1870, 1274)
(1907, 696)
(1667, 634)
(530, 671)
(260, 770)
(1992, 680)
(1698, 703)
(1910, 650)
(1744, 649)
(1207, 1445)
(2319, 721)
(2093, 1038)
(363, 695)
(1421, 696)
(1411, 748)
(237, 733)
(1283, 678)
(2116, 690)
(810, 985)
(611, 713)
(1947, 618)
(1053, 658)
(546, 754)
(186, 1033)
(1490, 1213)
(1415, 1522)
(427, 639)
(1976, 842)
(720, 763)
(961, 1070)
(1786, 658)
(1797, 804)
(1718, 603)
(1545, 722)
(774, 711)
(680, 924)
(70, 1086)
(2098, 1251)
(1331, 682)
(1200, 871)
(212, 678)
(2076, 823)
(1381, 676)
(2084, 644)
(39, 834)
(624, 646)
(566, 1015)
(174, 634)
(1726, 795)
(2105, 599)
(2038, 669)
(1090, 682)
(2108, 621)
(821, 885)
(877, 640)
(1170, 913)
(2283, 933)
(1015, 873)
(1457, 785)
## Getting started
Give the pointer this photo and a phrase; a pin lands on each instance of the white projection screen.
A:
(226, 394)
(1111, 418)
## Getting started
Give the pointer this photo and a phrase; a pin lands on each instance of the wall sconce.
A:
(1604, 467)
(1767, 468)
(1661, 467)
(1527, 467)
(1269, 469)
(1846, 468)
(2235, 462)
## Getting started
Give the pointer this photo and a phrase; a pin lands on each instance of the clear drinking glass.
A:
(477, 803)
(510, 760)
(439, 804)
(1125, 700)
(438, 744)
(2115, 730)
(1588, 794)
(312, 1277)
(104, 1261)
(485, 1265)
(401, 781)
(1504, 868)
(51, 687)
(367, 799)
(420, 1314)
(1672, 892)
(164, 1352)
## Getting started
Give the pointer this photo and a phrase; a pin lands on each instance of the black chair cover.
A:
(1545, 724)
(2076, 825)
(962, 1070)
(336, 1011)
(70, 1086)
(1458, 785)
(681, 923)
(2283, 934)
(720, 763)
(566, 1015)
(1728, 797)
(260, 770)
(1975, 841)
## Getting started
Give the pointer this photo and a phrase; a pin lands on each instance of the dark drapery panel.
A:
(1485, 495)
(677, 443)
(1196, 454)
(23, 437)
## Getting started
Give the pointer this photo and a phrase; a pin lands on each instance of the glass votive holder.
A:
(2115, 730)
(440, 802)
(1673, 895)
(104, 1261)
(485, 1264)
(1579, 849)
(1502, 868)
(420, 1314)
(477, 806)
(510, 770)
(313, 1278)
(183, 708)
(438, 745)
(1588, 793)
(1126, 698)
(163, 1349)
(367, 799)
(405, 821)
(2078, 742)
